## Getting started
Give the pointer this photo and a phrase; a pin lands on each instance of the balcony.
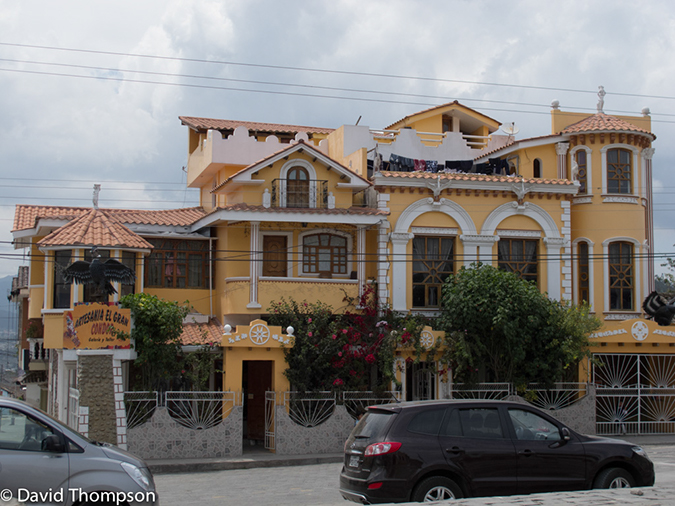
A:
(310, 194)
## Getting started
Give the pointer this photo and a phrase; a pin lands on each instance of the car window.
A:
(451, 424)
(481, 423)
(427, 422)
(372, 425)
(19, 431)
(530, 426)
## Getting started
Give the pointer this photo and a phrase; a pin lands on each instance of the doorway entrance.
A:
(256, 380)
(420, 381)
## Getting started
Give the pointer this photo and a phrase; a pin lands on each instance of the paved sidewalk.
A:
(259, 457)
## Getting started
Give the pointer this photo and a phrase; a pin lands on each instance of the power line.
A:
(325, 71)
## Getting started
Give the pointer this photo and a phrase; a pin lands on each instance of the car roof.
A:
(444, 402)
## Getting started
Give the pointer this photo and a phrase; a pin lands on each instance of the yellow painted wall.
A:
(53, 330)
(197, 298)
(562, 119)
(233, 359)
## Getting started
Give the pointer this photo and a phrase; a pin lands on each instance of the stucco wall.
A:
(163, 438)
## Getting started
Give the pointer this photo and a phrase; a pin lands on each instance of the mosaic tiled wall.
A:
(329, 437)
(163, 438)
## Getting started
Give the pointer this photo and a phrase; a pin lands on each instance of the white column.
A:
(399, 270)
(256, 259)
(561, 149)
(647, 155)
(553, 265)
(383, 264)
(361, 258)
(478, 248)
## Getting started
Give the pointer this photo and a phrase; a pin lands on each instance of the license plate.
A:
(354, 461)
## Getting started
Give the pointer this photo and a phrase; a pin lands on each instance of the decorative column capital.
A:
(647, 153)
(561, 148)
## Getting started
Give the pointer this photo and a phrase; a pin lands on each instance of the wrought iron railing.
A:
(310, 409)
(199, 410)
(312, 193)
(194, 410)
(560, 395)
(139, 406)
(480, 390)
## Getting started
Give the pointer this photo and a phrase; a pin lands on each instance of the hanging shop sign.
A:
(95, 326)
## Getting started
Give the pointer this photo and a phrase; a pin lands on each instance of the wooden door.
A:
(258, 380)
(274, 256)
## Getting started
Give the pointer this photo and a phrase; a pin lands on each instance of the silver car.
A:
(44, 462)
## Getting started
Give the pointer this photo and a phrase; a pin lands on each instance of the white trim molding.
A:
(589, 167)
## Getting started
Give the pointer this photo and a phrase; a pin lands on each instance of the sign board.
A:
(94, 327)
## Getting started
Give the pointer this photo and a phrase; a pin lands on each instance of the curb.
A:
(200, 466)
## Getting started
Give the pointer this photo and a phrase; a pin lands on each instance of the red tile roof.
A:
(197, 334)
(95, 228)
(27, 216)
(429, 109)
(602, 122)
(474, 177)
(226, 124)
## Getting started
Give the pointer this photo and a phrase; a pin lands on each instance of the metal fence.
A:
(194, 410)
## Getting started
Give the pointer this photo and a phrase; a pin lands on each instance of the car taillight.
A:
(381, 448)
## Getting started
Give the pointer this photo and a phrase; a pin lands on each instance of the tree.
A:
(158, 325)
(502, 326)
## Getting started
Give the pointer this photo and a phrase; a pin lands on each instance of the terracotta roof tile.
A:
(27, 216)
(454, 102)
(474, 177)
(196, 334)
(95, 228)
(602, 122)
(226, 124)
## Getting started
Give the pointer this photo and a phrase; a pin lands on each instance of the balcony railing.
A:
(312, 193)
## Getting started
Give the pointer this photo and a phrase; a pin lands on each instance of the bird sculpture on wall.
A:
(660, 310)
(99, 274)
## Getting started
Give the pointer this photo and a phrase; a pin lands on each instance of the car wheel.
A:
(436, 488)
(614, 478)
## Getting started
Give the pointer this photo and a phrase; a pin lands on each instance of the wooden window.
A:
(61, 298)
(621, 277)
(520, 257)
(583, 281)
(297, 188)
(324, 255)
(275, 255)
(433, 262)
(128, 259)
(178, 264)
(582, 167)
(619, 171)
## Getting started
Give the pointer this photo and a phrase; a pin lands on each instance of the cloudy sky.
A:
(91, 91)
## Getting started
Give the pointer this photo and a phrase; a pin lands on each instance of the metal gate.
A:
(270, 406)
(635, 393)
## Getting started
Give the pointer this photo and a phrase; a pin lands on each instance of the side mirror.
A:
(566, 433)
(53, 443)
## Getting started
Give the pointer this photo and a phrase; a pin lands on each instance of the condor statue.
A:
(99, 274)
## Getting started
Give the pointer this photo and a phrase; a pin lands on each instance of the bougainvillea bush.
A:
(352, 350)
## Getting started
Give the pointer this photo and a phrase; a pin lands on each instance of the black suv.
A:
(449, 449)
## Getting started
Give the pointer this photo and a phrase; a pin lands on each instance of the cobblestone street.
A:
(317, 485)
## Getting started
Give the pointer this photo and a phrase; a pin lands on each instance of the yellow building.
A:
(315, 213)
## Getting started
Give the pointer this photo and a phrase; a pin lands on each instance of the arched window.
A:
(583, 266)
(536, 172)
(433, 262)
(621, 276)
(582, 169)
(297, 187)
(619, 171)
